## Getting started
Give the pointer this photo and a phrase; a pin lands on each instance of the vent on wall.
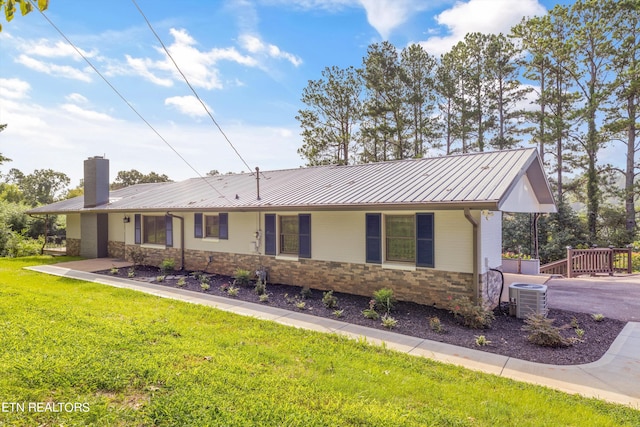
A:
(526, 299)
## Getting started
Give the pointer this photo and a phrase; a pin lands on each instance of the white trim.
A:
(398, 266)
(287, 257)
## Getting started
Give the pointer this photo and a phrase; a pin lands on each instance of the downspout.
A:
(476, 276)
(181, 238)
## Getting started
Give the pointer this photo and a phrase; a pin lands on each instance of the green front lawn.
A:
(126, 358)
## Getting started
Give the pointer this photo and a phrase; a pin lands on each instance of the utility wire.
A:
(190, 86)
(125, 99)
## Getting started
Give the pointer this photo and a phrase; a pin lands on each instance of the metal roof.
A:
(477, 180)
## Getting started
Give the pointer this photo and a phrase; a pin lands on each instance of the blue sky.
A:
(248, 60)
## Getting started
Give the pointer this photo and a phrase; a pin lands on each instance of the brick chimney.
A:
(96, 181)
(94, 227)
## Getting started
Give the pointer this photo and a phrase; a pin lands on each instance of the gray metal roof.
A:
(477, 180)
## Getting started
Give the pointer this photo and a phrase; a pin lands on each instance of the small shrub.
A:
(598, 317)
(305, 292)
(579, 333)
(233, 291)
(371, 313)
(181, 282)
(261, 288)
(481, 340)
(167, 265)
(114, 270)
(542, 332)
(471, 315)
(131, 272)
(204, 279)
(137, 256)
(385, 300)
(241, 277)
(388, 321)
(329, 300)
(225, 287)
(574, 323)
(435, 325)
(205, 286)
(264, 297)
(338, 313)
(300, 305)
(160, 279)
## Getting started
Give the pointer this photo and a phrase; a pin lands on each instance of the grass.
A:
(136, 359)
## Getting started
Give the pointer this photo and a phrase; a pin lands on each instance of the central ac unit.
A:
(526, 299)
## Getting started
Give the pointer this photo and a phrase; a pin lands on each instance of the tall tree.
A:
(43, 186)
(623, 116)
(329, 124)
(590, 48)
(385, 113)
(418, 79)
(133, 177)
(505, 91)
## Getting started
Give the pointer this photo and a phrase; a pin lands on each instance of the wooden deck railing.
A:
(591, 261)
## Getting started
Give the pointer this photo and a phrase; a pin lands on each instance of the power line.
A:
(190, 86)
(79, 52)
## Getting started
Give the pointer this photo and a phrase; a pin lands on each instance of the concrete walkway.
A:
(614, 378)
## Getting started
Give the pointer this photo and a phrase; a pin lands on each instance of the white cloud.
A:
(84, 113)
(58, 49)
(188, 105)
(13, 89)
(54, 69)
(484, 16)
(386, 15)
(76, 98)
(256, 46)
(199, 66)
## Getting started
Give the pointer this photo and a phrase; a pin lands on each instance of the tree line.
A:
(568, 82)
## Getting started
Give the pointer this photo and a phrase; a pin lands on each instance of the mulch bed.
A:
(505, 334)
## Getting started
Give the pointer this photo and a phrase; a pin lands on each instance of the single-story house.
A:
(429, 228)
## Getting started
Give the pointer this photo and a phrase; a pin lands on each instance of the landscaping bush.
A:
(167, 265)
(471, 315)
(241, 277)
(542, 332)
(385, 300)
(329, 300)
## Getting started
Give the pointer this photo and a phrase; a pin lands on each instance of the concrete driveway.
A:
(617, 297)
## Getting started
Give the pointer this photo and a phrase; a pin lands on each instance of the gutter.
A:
(476, 275)
(181, 238)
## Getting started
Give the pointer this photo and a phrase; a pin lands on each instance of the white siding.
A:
(73, 226)
(490, 225)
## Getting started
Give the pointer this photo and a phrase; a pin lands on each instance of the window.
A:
(407, 238)
(289, 243)
(290, 235)
(211, 226)
(400, 238)
(154, 230)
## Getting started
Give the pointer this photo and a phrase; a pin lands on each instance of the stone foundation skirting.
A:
(115, 249)
(73, 247)
(423, 286)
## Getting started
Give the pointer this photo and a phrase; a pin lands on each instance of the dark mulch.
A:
(505, 334)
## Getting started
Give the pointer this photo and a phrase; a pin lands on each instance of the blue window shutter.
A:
(223, 225)
(424, 240)
(168, 221)
(137, 219)
(197, 226)
(270, 237)
(304, 235)
(374, 238)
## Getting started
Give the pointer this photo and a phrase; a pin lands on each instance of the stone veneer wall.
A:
(115, 249)
(423, 286)
(73, 247)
